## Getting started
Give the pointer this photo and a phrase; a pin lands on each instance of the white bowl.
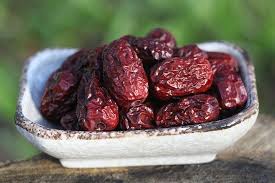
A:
(163, 146)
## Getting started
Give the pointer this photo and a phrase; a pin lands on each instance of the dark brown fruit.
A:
(192, 51)
(96, 111)
(137, 118)
(84, 58)
(219, 61)
(107, 87)
(124, 75)
(163, 36)
(69, 121)
(59, 95)
(151, 50)
(181, 76)
(190, 110)
(231, 89)
(60, 92)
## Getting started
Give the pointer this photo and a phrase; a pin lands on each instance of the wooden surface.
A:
(252, 159)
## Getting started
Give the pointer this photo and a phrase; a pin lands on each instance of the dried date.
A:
(190, 51)
(69, 121)
(124, 75)
(181, 76)
(221, 62)
(149, 50)
(60, 92)
(96, 111)
(157, 45)
(163, 36)
(84, 58)
(231, 89)
(76, 98)
(152, 49)
(137, 118)
(190, 110)
(59, 96)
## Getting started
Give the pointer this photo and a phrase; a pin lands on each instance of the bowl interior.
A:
(42, 64)
(38, 70)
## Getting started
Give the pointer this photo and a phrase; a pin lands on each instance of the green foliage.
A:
(28, 26)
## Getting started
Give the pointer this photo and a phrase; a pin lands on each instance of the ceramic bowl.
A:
(163, 146)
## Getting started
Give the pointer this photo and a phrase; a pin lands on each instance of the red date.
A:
(107, 88)
(157, 45)
(96, 111)
(60, 92)
(181, 76)
(222, 61)
(69, 121)
(231, 89)
(152, 49)
(190, 110)
(191, 51)
(84, 58)
(137, 118)
(59, 95)
(124, 75)
(163, 36)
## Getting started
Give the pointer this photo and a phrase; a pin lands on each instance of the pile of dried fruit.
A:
(142, 83)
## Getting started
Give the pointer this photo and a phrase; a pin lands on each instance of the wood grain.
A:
(252, 159)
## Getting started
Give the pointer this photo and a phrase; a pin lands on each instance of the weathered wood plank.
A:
(252, 159)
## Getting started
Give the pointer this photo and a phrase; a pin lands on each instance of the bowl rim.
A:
(56, 134)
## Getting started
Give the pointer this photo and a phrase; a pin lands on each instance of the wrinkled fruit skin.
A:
(163, 36)
(124, 75)
(60, 92)
(149, 50)
(190, 110)
(96, 111)
(152, 49)
(107, 88)
(156, 46)
(69, 121)
(181, 76)
(190, 51)
(138, 117)
(222, 61)
(82, 59)
(59, 95)
(231, 89)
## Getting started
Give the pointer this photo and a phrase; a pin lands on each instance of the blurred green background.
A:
(29, 26)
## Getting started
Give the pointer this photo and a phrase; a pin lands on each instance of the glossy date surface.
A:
(137, 83)
(124, 75)
(190, 110)
(178, 76)
(138, 118)
(96, 111)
